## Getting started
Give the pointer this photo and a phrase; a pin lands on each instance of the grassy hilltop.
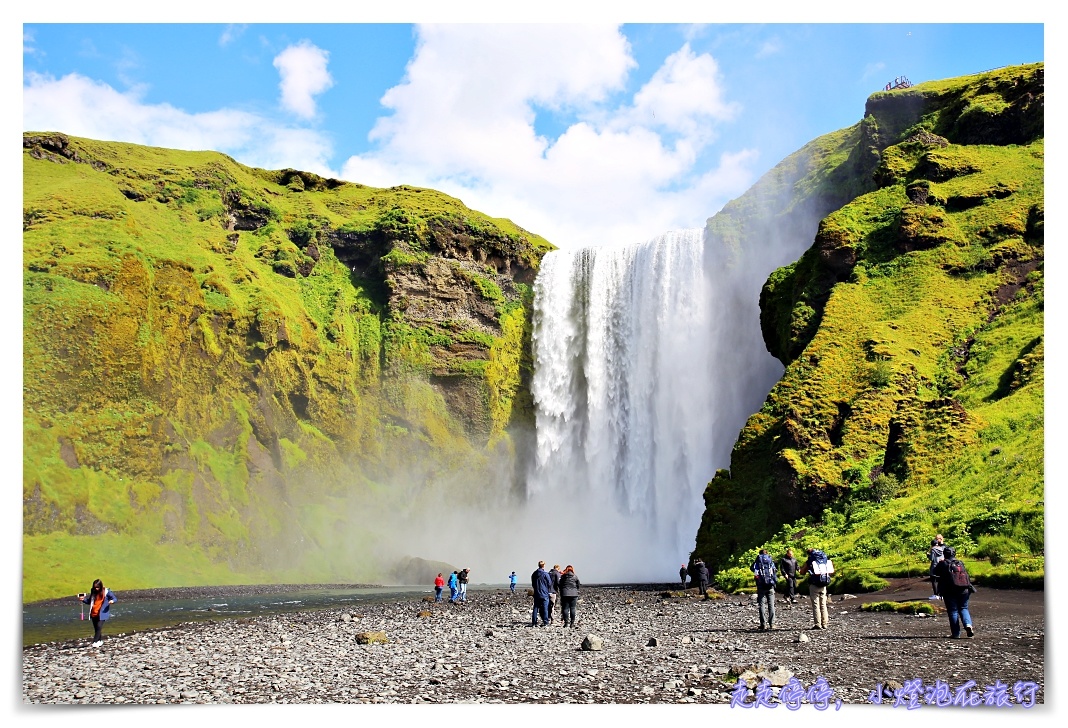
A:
(208, 347)
(912, 336)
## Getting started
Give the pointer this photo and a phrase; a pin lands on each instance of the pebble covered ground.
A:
(655, 646)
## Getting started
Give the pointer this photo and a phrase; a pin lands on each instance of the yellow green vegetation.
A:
(898, 607)
(912, 335)
(222, 363)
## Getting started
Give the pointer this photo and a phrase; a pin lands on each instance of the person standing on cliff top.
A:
(543, 585)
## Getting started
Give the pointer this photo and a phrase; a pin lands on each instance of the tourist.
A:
(788, 567)
(682, 575)
(543, 586)
(955, 592)
(935, 555)
(454, 584)
(512, 579)
(439, 584)
(820, 569)
(699, 577)
(462, 578)
(554, 595)
(765, 574)
(99, 599)
(569, 586)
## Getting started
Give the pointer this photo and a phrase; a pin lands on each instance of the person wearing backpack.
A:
(935, 555)
(820, 569)
(955, 587)
(766, 575)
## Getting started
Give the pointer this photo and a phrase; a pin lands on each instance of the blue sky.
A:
(586, 134)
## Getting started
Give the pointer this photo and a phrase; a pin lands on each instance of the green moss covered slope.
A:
(220, 361)
(912, 335)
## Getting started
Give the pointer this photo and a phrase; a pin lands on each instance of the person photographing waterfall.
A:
(99, 599)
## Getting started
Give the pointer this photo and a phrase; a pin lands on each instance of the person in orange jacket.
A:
(99, 599)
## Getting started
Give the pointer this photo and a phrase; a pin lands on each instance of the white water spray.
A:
(626, 402)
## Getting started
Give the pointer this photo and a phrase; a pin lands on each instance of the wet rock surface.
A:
(654, 649)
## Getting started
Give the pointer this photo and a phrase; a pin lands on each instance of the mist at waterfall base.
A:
(649, 359)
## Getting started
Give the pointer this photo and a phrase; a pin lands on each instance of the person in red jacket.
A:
(439, 584)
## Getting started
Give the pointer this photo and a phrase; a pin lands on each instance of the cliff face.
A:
(218, 360)
(911, 331)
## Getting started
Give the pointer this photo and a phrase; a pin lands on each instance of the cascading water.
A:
(626, 402)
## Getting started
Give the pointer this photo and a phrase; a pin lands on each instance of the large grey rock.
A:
(592, 642)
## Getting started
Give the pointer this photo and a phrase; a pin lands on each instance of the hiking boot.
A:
(969, 630)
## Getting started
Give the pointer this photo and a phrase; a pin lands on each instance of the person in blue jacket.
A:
(543, 586)
(454, 583)
(512, 580)
(99, 599)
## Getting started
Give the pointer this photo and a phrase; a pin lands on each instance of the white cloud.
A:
(304, 76)
(27, 42)
(463, 121)
(686, 93)
(81, 106)
(872, 69)
(233, 32)
(769, 48)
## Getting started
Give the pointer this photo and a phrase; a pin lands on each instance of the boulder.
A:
(592, 642)
(370, 638)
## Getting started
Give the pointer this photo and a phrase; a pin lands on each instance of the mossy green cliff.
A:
(912, 336)
(220, 362)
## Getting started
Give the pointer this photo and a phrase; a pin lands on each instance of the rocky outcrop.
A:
(878, 323)
(234, 359)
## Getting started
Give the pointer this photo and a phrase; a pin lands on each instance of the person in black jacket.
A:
(788, 567)
(554, 574)
(954, 597)
(569, 586)
(682, 575)
(699, 577)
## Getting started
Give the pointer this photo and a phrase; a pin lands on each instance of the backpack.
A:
(822, 568)
(959, 574)
(765, 571)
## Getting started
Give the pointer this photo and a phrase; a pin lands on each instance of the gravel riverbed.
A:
(654, 647)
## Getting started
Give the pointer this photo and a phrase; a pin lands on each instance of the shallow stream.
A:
(57, 620)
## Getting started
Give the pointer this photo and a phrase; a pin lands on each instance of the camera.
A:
(81, 595)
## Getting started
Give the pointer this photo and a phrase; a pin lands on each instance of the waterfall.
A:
(626, 401)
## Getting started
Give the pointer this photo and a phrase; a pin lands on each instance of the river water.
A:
(58, 620)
